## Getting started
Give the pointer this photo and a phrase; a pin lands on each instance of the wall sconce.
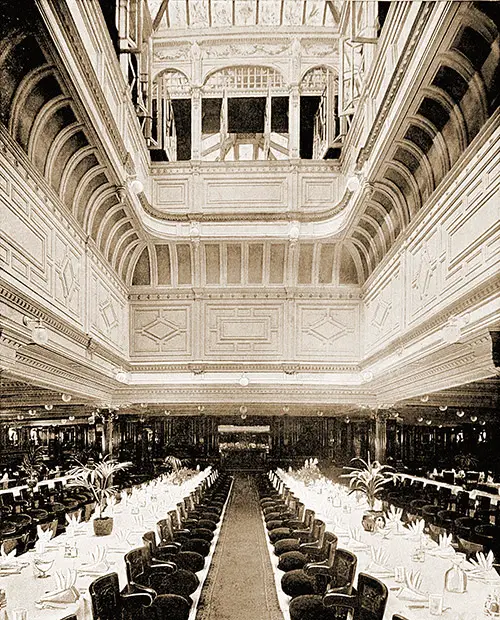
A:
(460, 413)
(244, 380)
(32, 412)
(473, 418)
(347, 420)
(49, 407)
(12, 435)
(167, 412)
(66, 398)
(428, 422)
(424, 398)
(39, 332)
(420, 419)
(443, 407)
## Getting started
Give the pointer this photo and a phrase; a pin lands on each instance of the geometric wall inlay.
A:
(329, 333)
(326, 329)
(235, 332)
(380, 314)
(161, 330)
(67, 277)
(108, 314)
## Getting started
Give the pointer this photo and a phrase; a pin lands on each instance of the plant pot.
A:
(103, 526)
(373, 520)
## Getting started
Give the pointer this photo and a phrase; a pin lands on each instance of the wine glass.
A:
(43, 563)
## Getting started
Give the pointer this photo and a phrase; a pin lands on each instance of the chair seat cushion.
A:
(187, 560)
(310, 607)
(297, 583)
(292, 560)
(171, 606)
(198, 545)
(272, 525)
(182, 582)
(279, 533)
(285, 545)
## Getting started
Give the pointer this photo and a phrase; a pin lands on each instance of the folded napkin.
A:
(355, 542)
(411, 590)
(43, 538)
(380, 563)
(122, 544)
(65, 591)
(9, 563)
(97, 562)
(444, 548)
(416, 528)
(394, 515)
(482, 566)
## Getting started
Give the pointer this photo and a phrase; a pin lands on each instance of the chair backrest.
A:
(344, 568)
(331, 544)
(165, 530)
(309, 519)
(301, 508)
(15, 542)
(372, 598)
(105, 596)
(149, 540)
(135, 564)
(398, 617)
(483, 502)
(462, 502)
(72, 617)
(318, 531)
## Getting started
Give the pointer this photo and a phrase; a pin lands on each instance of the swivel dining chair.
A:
(173, 552)
(367, 602)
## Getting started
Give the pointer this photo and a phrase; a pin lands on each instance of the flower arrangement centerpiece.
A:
(369, 479)
(98, 478)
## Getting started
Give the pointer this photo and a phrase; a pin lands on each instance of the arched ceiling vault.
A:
(43, 118)
(461, 94)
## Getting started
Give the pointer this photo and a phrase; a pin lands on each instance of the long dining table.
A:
(134, 515)
(403, 551)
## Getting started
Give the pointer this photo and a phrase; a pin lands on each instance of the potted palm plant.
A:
(98, 478)
(369, 479)
(32, 464)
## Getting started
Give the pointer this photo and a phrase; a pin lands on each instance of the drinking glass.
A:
(399, 574)
(43, 563)
(19, 614)
(435, 604)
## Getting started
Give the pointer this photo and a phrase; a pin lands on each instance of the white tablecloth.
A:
(135, 515)
(324, 497)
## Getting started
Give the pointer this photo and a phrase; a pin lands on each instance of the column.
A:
(380, 437)
(195, 122)
(294, 122)
(108, 417)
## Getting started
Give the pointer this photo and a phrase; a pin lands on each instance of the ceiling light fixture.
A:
(31, 412)
(473, 418)
(347, 420)
(167, 412)
(425, 398)
(443, 407)
(49, 407)
(71, 418)
(244, 380)
(367, 376)
(428, 422)
(66, 398)
(460, 413)
(136, 187)
(420, 419)
(121, 375)
(353, 183)
(39, 332)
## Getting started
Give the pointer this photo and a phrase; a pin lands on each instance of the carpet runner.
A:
(240, 582)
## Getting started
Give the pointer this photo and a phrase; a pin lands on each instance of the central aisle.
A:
(240, 582)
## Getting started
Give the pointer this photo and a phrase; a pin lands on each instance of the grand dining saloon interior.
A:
(249, 310)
